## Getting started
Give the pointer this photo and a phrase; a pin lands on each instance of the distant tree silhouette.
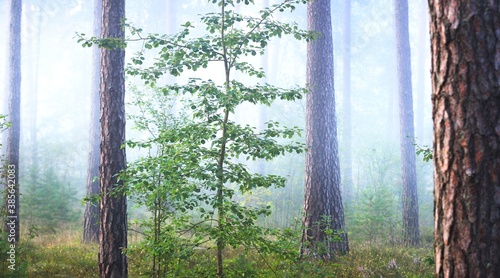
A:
(14, 117)
(411, 234)
(91, 215)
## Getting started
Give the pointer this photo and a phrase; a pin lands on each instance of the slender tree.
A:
(411, 234)
(421, 71)
(91, 215)
(14, 132)
(465, 75)
(113, 205)
(35, 10)
(324, 212)
(347, 132)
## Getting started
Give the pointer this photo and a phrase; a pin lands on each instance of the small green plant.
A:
(373, 218)
(154, 182)
(48, 203)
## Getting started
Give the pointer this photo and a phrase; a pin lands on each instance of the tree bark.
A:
(411, 234)
(113, 205)
(14, 132)
(465, 44)
(323, 201)
(91, 215)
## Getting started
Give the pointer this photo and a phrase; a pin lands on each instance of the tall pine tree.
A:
(324, 212)
(113, 204)
(411, 234)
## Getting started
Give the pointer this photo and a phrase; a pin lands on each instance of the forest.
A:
(250, 138)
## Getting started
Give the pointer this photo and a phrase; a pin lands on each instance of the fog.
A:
(55, 90)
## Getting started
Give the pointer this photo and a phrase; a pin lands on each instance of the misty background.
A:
(55, 92)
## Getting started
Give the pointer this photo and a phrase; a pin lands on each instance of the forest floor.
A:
(63, 255)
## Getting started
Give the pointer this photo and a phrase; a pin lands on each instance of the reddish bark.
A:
(465, 43)
(113, 205)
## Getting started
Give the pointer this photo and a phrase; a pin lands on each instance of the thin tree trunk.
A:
(91, 215)
(347, 133)
(113, 204)
(12, 220)
(222, 158)
(421, 73)
(392, 103)
(323, 201)
(33, 99)
(411, 234)
(466, 113)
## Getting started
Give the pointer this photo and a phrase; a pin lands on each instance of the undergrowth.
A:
(63, 255)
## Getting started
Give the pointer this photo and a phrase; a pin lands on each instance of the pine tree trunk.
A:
(14, 132)
(465, 46)
(411, 234)
(91, 215)
(113, 206)
(323, 201)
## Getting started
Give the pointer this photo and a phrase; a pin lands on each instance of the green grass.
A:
(63, 255)
(385, 261)
(59, 255)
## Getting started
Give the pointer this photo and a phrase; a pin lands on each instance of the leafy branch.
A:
(424, 150)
